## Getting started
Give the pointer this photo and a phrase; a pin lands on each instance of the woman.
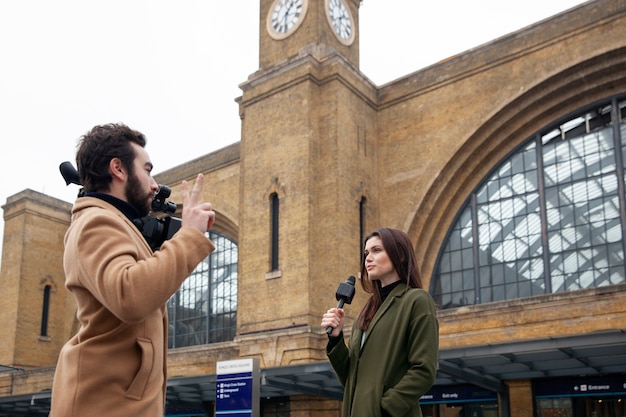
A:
(391, 359)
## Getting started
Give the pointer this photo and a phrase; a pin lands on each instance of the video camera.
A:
(155, 230)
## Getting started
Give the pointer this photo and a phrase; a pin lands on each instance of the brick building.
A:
(504, 164)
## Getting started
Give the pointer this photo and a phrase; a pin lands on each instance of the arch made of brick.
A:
(226, 225)
(555, 98)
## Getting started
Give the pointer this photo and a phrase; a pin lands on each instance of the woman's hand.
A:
(333, 318)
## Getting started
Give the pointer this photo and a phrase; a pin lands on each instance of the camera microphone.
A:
(69, 173)
(344, 294)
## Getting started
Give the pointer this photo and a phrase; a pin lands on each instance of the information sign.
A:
(581, 386)
(237, 388)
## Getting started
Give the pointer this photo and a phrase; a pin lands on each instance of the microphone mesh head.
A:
(346, 290)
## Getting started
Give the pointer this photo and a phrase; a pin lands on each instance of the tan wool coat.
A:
(115, 365)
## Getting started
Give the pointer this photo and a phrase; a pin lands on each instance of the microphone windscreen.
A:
(69, 173)
(346, 290)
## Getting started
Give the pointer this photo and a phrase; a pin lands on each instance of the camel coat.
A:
(115, 365)
(397, 363)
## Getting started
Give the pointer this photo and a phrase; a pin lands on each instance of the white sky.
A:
(172, 69)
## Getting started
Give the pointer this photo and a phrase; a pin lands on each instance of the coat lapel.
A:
(391, 298)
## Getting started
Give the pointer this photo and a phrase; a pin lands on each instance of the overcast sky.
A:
(172, 69)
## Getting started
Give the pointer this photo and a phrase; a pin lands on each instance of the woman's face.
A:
(377, 262)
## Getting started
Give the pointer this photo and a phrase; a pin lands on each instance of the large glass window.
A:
(204, 310)
(548, 219)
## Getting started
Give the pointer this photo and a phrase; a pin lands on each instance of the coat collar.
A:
(397, 292)
(83, 203)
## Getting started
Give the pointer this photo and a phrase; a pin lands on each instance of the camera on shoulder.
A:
(155, 230)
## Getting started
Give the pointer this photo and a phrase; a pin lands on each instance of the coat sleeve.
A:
(423, 348)
(339, 358)
(106, 258)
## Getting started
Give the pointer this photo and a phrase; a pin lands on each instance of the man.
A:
(116, 364)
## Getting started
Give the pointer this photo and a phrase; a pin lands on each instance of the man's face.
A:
(141, 187)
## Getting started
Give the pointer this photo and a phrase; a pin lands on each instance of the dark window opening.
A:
(45, 311)
(362, 230)
(274, 212)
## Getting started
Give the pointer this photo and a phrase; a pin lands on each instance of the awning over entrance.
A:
(598, 353)
(487, 366)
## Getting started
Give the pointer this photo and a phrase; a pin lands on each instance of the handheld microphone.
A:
(344, 294)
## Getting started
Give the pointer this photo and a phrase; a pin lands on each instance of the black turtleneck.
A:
(127, 209)
(384, 291)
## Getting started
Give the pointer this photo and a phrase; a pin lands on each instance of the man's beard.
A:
(136, 196)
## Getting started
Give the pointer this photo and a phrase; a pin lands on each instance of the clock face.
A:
(285, 16)
(340, 20)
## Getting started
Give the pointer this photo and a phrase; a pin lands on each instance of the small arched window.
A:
(45, 309)
(274, 217)
(362, 231)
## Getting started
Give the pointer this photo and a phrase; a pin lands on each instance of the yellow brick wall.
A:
(554, 315)
(32, 259)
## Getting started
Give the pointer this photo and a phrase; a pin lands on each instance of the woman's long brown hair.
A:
(402, 255)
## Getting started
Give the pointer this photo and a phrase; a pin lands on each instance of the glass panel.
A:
(509, 225)
(583, 211)
(204, 310)
(551, 407)
(582, 219)
(458, 256)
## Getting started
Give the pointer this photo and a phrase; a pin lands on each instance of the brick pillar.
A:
(520, 398)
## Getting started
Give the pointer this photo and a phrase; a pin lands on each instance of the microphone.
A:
(344, 294)
(69, 173)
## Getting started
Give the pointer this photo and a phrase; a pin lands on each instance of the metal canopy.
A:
(486, 366)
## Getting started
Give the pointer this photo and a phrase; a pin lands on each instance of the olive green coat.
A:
(398, 361)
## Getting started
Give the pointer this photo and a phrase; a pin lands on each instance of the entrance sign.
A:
(237, 388)
(580, 386)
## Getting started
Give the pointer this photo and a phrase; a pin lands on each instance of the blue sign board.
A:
(580, 386)
(237, 388)
(458, 394)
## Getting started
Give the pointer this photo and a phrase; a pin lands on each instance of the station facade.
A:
(504, 164)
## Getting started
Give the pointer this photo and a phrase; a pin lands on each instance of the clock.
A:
(285, 16)
(340, 20)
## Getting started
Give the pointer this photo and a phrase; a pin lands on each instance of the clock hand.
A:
(284, 12)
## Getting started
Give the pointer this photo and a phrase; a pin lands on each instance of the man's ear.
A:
(117, 169)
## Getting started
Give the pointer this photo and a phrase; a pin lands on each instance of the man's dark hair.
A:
(97, 147)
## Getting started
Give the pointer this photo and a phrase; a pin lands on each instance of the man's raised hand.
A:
(198, 215)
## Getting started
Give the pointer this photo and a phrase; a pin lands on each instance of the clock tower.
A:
(290, 27)
(306, 171)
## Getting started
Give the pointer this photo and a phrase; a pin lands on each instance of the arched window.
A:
(274, 216)
(45, 309)
(204, 310)
(548, 219)
(362, 206)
